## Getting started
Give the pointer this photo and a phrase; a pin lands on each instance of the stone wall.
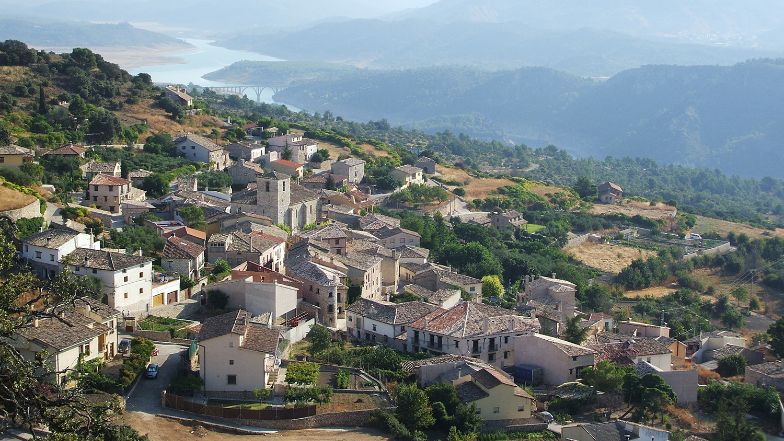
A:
(29, 211)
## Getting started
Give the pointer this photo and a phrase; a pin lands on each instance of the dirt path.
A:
(163, 429)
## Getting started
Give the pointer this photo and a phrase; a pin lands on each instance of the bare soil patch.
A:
(607, 257)
(476, 188)
(159, 121)
(633, 208)
(163, 429)
(710, 225)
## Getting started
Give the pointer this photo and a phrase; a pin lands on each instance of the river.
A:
(202, 59)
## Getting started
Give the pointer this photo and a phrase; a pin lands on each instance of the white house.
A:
(43, 251)
(181, 256)
(198, 148)
(383, 322)
(302, 149)
(257, 298)
(408, 175)
(397, 236)
(126, 279)
(237, 355)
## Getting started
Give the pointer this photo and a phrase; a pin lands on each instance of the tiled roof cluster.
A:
(391, 313)
(104, 260)
(200, 140)
(469, 319)
(102, 179)
(52, 238)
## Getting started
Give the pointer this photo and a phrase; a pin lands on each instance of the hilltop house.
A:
(552, 299)
(352, 168)
(14, 156)
(237, 355)
(301, 149)
(83, 332)
(323, 287)
(427, 165)
(198, 148)
(71, 150)
(506, 220)
(244, 172)
(471, 329)
(610, 193)
(43, 251)
(179, 95)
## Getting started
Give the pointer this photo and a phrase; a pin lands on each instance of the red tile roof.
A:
(287, 163)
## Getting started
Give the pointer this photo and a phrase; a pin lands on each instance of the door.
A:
(157, 300)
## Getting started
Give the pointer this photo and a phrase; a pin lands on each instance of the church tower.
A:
(273, 195)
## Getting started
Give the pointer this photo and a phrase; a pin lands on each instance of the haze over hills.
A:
(708, 116)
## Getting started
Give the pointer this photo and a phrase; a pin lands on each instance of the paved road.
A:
(146, 397)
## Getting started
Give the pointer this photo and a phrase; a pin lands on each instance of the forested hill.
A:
(49, 33)
(724, 117)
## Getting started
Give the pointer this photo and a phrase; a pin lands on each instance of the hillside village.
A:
(279, 276)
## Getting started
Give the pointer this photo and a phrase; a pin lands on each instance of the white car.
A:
(546, 417)
(693, 236)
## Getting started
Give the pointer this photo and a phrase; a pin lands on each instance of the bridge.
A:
(240, 90)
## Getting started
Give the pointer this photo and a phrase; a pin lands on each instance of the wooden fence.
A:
(173, 401)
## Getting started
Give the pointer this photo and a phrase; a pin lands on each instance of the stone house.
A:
(14, 156)
(109, 192)
(237, 247)
(553, 299)
(639, 329)
(397, 236)
(770, 374)
(507, 220)
(609, 193)
(179, 95)
(73, 150)
(437, 277)
(323, 287)
(246, 151)
(283, 202)
(407, 175)
(443, 298)
(352, 168)
(291, 168)
(183, 257)
(383, 322)
(560, 361)
(426, 164)
(301, 149)
(93, 168)
(243, 172)
(199, 148)
(628, 350)
(237, 355)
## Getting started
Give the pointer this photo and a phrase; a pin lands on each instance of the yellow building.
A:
(14, 156)
(495, 395)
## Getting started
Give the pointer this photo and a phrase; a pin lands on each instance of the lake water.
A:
(201, 60)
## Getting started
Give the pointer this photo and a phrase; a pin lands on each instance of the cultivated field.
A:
(607, 257)
(633, 208)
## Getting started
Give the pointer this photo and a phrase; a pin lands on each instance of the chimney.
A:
(35, 323)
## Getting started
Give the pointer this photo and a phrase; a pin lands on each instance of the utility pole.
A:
(662, 318)
(751, 292)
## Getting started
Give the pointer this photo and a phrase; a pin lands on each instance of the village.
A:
(295, 297)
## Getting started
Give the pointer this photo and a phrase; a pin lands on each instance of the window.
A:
(95, 198)
(496, 410)
(457, 344)
(141, 290)
(95, 188)
(125, 279)
(51, 257)
(193, 147)
(574, 358)
(2, 159)
(95, 271)
(350, 318)
(506, 355)
(231, 362)
(521, 408)
(374, 328)
(231, 379)
(231, 344)
(402, 329)
(506, 339)
(141, 275)
(648, 359)
(472, 289)
(491, 357)
(27, 249)
(37, 254)
(106, 198)
(125, 295)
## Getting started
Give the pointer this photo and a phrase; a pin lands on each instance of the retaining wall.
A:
(29, 211)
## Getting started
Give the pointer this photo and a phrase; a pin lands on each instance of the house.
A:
(332, 235)
(639, 329)
(243, 172)
(362, 270)
(71, 150)
(561, 361)
(507, 220)
(443, 298)
(610, 193)
(301, 149)
(706, 342)
(397, 236)
(109, 192)
(684, 382)
(198, 148)
(82, 332)
(383, 322)
(237, 247)
(276, 197)
(43, 251)
(247, 151)
(471, 329)
(93, 168)
(352, 168)
(715, 355)
(183, 257)
(437, 277)
(125, 279)
(14, 156)
(427, 165)
(291, 168)
(190, 234)
(412, 254)
(320, 182)
(323, 287)
(677, 347)
(498, 400)
(179, 95)
(613, 430)
(553, 299)
(253, 129)
(374, 222)
(257, 297)
(137, 176)
(390, 259)
(628, 350)
(770, 374)
(496, 397)
(407, 175)
(237, 355)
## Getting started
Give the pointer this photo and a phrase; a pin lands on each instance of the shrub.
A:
(343, 379)
(731, 365)
(302, 373)
(305, 395)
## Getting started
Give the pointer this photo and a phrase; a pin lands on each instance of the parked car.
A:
(152, 371)
(124, 347)
(546, 417)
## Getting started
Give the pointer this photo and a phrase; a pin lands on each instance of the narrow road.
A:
(146, 396)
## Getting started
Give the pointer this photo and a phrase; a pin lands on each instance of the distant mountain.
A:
(44, 33)
(725, 117)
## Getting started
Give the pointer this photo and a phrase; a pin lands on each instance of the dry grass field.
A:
(159, 121)
(476, 188)
(654, 291)
(606, 257)
(632, 208)
(722, 227)
(12, 199)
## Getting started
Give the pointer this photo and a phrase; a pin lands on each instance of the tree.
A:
(193, 215)
(575, 333)
(286, 154)
(41, 100)
(606, 376)
(456, 435)
(584, 187)
(329, 184)
(160, 143)
(156, 185)
(776, 334)
(104, 127)
(413, 408)
(733, 425)
(221, 267)
(732, 365)
(319, 338)
(648, 395)
(492, 287)
(5, 134)
(740, 294)
(217, 300)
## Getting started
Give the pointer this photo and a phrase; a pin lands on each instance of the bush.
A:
(185, 384)
(302, 373)
(306, 395)
(732, 365)
(343, 379)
